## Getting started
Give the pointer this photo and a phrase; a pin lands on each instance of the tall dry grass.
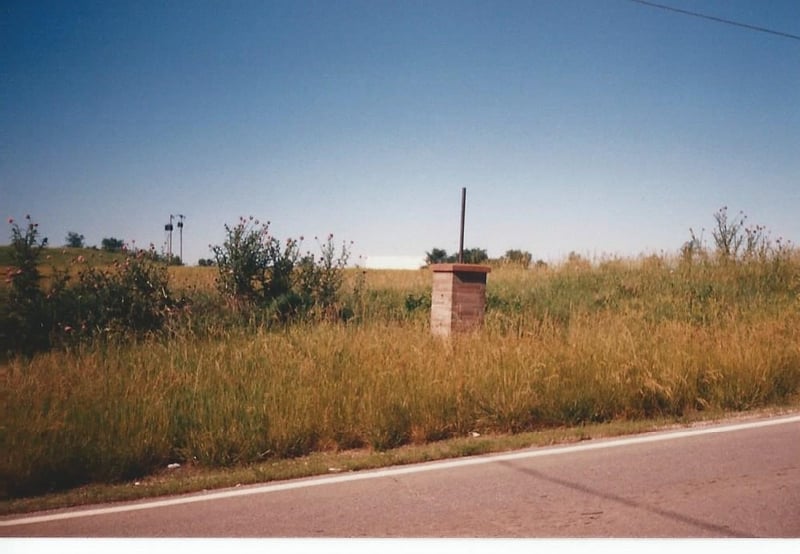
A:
(619, 340)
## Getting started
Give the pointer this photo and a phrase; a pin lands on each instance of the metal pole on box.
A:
(461, 235)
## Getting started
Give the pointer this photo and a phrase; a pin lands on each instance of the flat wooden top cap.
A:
(460, 268)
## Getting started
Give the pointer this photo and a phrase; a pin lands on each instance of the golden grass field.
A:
(562, 346)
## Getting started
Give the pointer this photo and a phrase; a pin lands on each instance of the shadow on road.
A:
(675, 516)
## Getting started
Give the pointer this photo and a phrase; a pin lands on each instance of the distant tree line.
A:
(471, 256)
(75, 240)
(109, 244)
(479, 256)
(113, 244)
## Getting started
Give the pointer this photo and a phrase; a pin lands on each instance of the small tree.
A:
(112, 244)
(436, 256)
(475, 256)
(74, 240)
(517, 257)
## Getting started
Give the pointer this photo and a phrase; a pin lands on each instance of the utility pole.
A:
(181, 217)
(168, 228)
(461, 235)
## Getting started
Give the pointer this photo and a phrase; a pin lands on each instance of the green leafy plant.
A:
(436, 256)
(111, 244)
(23, 322)
(471, 256)
(256, 270)
(254, 267)
(517, 257)
(131, 296)
(81, 301)
(320, 278)
(75, 240)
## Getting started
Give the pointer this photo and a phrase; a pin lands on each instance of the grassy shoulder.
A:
(566, 354)
(189, 478)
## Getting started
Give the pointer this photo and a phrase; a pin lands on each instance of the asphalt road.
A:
(737, 479)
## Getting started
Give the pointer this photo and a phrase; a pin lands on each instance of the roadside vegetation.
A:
(278, 350)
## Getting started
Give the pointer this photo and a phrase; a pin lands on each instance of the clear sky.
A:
(603, 127)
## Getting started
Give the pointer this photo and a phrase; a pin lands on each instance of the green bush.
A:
(258, 272)
(132, 296)
(112, 244)
(23, 325)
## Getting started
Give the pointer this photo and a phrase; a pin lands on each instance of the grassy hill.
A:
(61, 257)
(181, 277)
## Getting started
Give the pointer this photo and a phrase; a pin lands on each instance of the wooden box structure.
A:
(458, 298)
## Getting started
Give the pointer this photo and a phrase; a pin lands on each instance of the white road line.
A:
(404, 470)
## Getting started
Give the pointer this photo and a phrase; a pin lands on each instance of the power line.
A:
(717, 19)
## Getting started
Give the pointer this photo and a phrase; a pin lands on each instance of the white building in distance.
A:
(395, 262)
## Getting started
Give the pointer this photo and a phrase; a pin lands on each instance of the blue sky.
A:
(598, 126)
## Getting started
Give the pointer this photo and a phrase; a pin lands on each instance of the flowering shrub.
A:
(22, 321)
(131, 296)
(253, 265)
(319, 279)
(256, 270)
(26, 250)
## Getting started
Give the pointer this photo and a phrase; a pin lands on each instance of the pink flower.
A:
(10, 220)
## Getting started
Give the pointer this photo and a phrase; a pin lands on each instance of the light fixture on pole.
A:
(181, 217)
(168, 228)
